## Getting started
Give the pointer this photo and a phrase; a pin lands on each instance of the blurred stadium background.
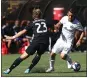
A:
(19, 9)
(13, 10)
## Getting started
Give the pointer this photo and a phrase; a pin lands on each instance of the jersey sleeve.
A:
(79, 27)
(62, 20)
(29, 26)
(49, 23)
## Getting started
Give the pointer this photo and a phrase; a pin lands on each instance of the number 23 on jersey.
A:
(41, 27)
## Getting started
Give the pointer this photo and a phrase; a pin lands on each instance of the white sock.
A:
(52, 61)
(52, 64)
(69, 61)
(69, 65)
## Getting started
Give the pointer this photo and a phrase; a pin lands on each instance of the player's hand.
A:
(8, 37)
(78, 43)
(55, 26)
(56, 31)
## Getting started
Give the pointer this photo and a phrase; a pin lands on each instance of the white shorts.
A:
(61, 46)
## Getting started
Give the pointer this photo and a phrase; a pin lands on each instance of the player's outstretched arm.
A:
(80, 39)
(57, 26)
(17, 35)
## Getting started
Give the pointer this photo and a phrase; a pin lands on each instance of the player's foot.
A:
(70, 67)
(27, 71)
(7, 71)
(49, 70)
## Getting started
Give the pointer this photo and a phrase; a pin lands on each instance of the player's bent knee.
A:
(63, 56)
(24, 56)
(39, 55)
(52, 54)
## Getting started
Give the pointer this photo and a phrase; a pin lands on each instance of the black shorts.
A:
(39, 47)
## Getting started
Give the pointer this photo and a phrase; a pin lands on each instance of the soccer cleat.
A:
(7, 71)
(49, 70)
(70, 67)
(27, 71)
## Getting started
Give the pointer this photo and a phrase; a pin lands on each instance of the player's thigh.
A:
(42, 48)
(67, 48)
(32, 48)
(58, 46)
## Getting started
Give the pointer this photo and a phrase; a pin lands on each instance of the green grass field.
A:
(61, 69)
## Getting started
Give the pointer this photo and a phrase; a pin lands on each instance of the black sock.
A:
(34, 61)
(16, 63)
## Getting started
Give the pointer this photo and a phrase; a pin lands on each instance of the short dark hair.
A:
(72, 11)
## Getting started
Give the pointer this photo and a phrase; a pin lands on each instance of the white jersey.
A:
(69, 28)
(64, 43)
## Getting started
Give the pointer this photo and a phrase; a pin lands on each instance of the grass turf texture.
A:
(61, 69)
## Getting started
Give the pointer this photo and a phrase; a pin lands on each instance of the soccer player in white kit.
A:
(64, 44)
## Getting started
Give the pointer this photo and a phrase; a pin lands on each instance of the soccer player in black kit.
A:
(39, 43)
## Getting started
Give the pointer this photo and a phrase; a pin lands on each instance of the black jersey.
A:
(40, 32)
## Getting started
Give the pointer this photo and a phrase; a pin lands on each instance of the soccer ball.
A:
(76, 66)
